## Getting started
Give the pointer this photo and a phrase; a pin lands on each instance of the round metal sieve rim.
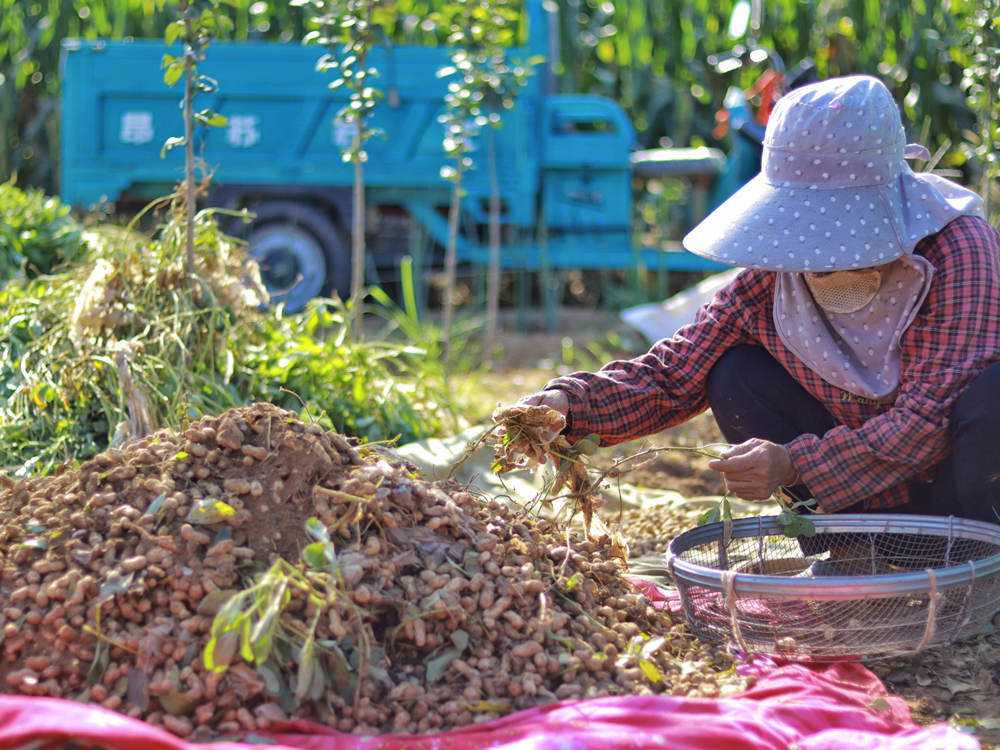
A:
(837, 587)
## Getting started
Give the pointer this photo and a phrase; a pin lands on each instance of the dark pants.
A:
(752, 396)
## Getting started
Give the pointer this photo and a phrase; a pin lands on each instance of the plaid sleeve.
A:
(954, 337)
(628, 399)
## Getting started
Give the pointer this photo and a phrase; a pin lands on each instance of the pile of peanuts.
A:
(444, 608)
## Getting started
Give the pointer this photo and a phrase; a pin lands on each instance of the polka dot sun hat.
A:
(834, 192)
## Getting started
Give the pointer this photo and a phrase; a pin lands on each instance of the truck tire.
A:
(300, 251)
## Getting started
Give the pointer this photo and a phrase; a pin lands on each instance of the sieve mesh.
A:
(864, 587)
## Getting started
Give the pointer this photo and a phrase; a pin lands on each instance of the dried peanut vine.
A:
(526, 436)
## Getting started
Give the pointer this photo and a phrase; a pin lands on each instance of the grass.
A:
(124, 341)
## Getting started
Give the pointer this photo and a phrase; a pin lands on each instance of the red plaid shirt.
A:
(879, 446)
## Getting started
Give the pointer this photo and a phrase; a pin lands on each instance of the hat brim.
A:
(777, 227)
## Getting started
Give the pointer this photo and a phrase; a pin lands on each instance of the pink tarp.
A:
(831, 707)
(809, 707)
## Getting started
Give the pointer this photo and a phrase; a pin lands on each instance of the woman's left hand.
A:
(755, 469)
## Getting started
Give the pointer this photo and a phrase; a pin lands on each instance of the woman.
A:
(856, 359)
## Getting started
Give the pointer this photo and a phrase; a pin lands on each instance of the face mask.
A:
(844, 291)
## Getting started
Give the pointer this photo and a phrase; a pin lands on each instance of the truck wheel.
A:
(300, 252)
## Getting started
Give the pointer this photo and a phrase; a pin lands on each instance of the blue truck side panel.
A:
(564, 166)
(282, 127)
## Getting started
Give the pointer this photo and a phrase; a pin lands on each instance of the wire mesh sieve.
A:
(863, 587)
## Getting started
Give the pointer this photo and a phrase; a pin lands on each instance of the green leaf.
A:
(649, 669)
(154, 507)
(306, 670)
(588, 446)
(208, 511)
(262, 637)
(214, 601)
(796, 525)
(429, 601)
(437, 666)
(271, 678)
(342, 678)
(314, 555)
(220, 650)
(173, 32)
(172, 143)
(317, 530)
(712, 515)
(177, 704)
(807, 527)
(173, 73)
(229, 615)
(246, 646)
(99, 664)
(461, 639)
(113, 585)
(652, 646)
(727, 508)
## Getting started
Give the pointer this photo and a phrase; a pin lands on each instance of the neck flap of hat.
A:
(859, 351)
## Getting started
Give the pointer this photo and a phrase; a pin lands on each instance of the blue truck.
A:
(565, 163)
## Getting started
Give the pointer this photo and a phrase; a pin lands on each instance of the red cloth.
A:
(831, 707)
(809, 707)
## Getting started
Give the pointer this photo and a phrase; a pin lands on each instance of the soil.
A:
(959, 684)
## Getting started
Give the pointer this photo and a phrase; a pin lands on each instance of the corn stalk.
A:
(982, 89)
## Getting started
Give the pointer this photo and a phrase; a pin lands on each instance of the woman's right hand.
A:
(528, 428)
(554, 399)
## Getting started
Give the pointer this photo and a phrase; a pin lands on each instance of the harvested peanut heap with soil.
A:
(408, 606)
